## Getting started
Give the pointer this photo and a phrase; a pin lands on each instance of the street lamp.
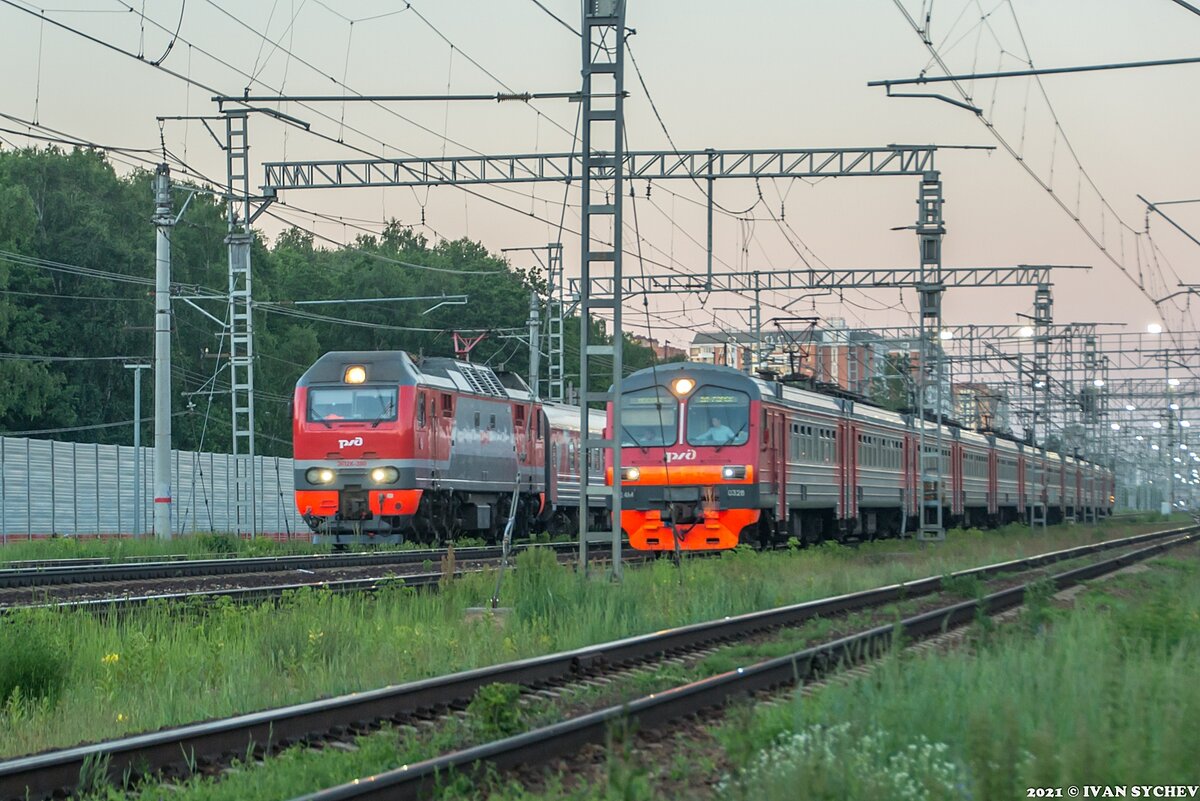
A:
(1026, 331)
(1154, 328)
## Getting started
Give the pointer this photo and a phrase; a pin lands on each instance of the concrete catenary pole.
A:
(163, 222)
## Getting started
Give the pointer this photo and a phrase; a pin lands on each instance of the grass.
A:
(168, 665)
(116, 549)
(1102, 694)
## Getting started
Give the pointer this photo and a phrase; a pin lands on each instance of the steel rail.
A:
(41, 775)
(565, 738)
(129, 571)
(242, 595)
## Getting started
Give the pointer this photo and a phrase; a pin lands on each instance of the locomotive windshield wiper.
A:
(633, 439)
(732, 439)
(384, 415)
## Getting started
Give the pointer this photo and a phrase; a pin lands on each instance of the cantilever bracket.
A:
(978, 111)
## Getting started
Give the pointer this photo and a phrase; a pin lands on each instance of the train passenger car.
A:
(561, 513)
(712, 457)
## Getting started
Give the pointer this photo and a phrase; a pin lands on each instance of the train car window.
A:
(719, 416)
(363, 404)
(649, 418)
(477, 419)
(420, 410)
(447, 405)
(519, 416)
(492, 423)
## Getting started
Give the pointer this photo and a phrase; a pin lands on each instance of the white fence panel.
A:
(52, 488)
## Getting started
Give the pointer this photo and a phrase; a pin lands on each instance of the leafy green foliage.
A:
(32, 659)
(495, 711)
(72, 208)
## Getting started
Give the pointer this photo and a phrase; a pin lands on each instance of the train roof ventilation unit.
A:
(482, 380)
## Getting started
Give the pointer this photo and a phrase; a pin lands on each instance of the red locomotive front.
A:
(690, 458)
(353, 438)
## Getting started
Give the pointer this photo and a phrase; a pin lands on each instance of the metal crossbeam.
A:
(826, 278)
(651, 165)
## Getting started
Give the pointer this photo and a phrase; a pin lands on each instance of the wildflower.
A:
(121, 717)
(110, 659)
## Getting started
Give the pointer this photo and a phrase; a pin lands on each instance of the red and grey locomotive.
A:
(388, 448)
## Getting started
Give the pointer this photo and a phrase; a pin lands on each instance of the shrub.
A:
(33, 658)
(495, 711)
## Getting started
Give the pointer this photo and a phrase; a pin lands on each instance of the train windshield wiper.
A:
(386, 414)
(633, 439)
(732, 439)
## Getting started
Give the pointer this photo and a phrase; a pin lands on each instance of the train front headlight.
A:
(385, 475)
(732, 471)
(630, 474)
(319, 475)
(682, 386)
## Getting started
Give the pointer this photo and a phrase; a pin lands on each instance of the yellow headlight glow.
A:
(683, 386)
(356, 374)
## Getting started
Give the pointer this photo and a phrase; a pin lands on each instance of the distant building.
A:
(983, 407)
(663, 351)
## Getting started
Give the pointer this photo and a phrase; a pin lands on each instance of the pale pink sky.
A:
(752, 74)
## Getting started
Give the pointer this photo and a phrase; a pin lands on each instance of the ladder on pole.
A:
(241, 324)
(602, 123)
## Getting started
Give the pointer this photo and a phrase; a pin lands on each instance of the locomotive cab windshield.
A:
(718, 416)
(649, 418)
(352, 404)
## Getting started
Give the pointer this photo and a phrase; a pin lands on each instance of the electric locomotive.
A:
(389, 448)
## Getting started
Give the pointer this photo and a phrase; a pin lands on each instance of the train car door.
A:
(848, 458)
(442, 432)
(993, 468)
(781, 450)
(956, 478)
(422, 427)
(1021, 502)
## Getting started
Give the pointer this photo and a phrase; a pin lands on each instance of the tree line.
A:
(89, 297)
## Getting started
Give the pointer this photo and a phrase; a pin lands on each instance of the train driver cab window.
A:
(359, 404)
(649, 418)
(420, 410)
(447, 405)
(718, 416)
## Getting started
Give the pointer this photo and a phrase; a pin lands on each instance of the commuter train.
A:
(712, 457)
(389, 448)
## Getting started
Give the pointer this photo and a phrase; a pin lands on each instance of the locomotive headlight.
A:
(682, 386)
(630, 474)
(356, 374)
(319, 475)
(385, 475)
(733, 471)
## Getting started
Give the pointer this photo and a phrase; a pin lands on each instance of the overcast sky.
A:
(739, 75)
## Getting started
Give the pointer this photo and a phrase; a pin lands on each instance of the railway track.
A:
(42, 775)
(265, 586)
(539, 747)
(44, 576)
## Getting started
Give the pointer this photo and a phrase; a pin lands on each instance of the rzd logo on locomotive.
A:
(350, 443)
(681, 456)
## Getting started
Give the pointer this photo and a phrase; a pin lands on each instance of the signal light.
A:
(732, 471)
